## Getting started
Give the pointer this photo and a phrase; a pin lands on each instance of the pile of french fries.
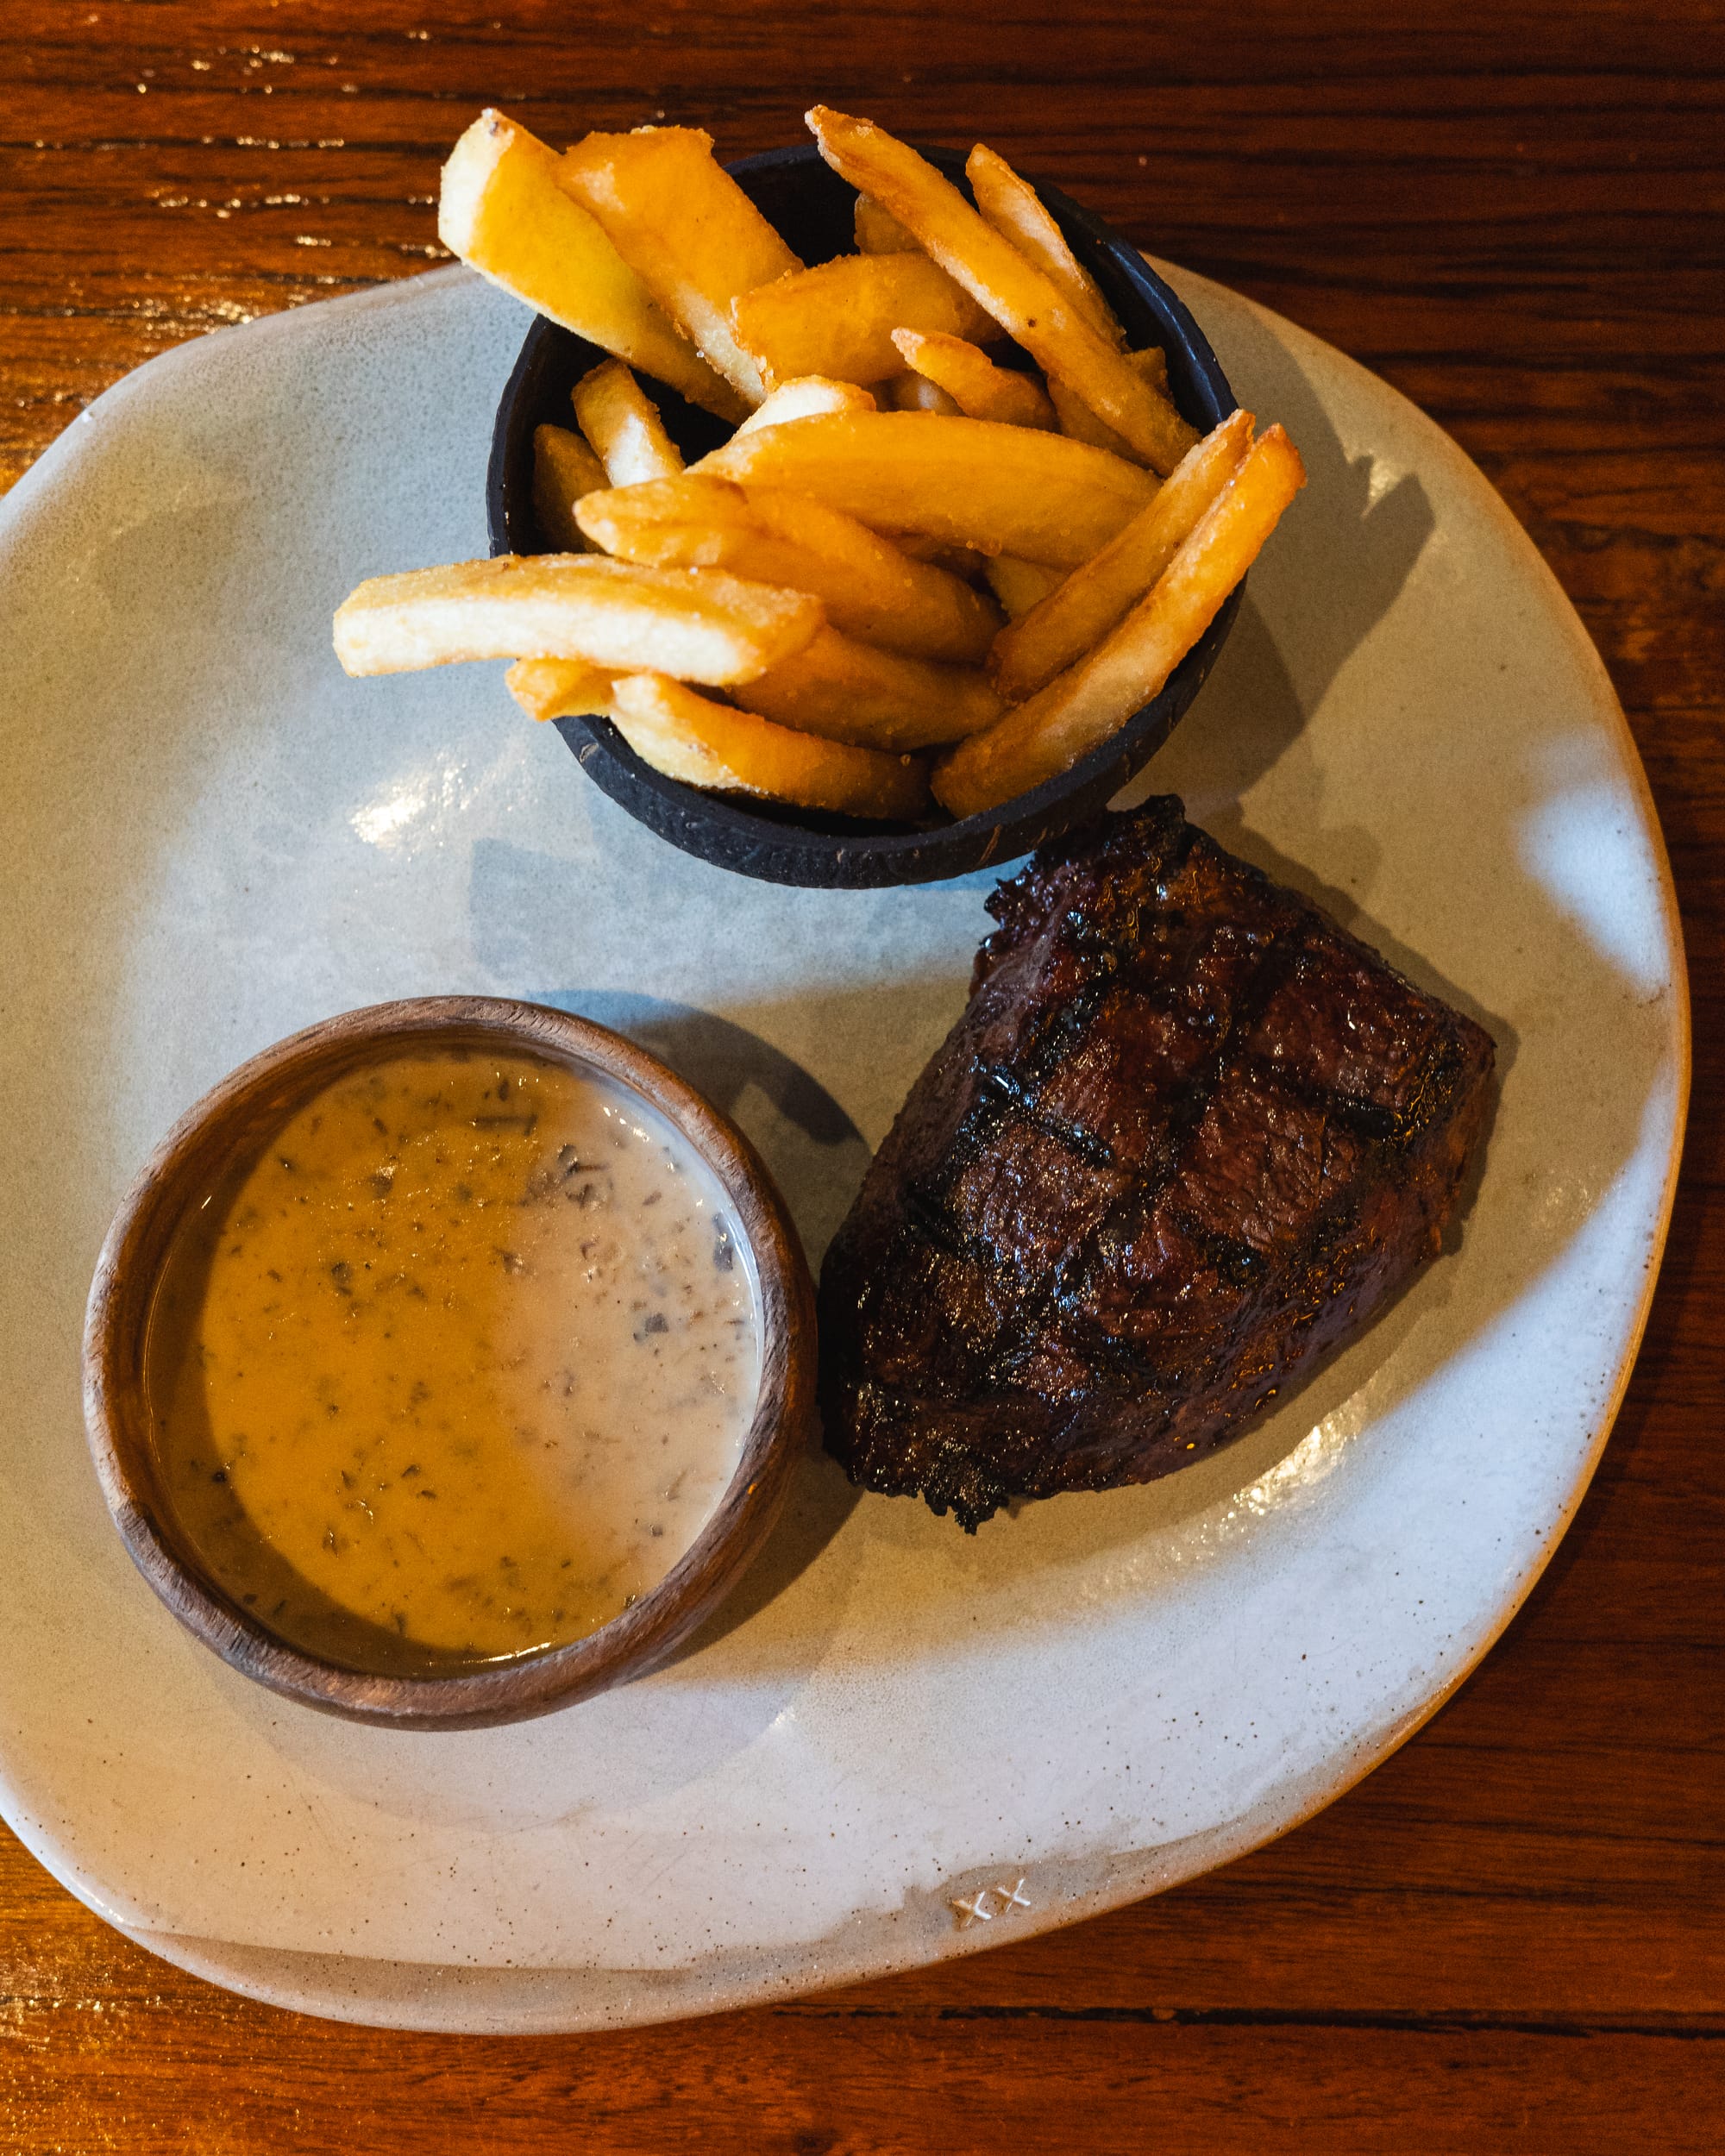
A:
(959, 535)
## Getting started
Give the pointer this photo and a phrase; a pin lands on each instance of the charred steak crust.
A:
(1186, 1139)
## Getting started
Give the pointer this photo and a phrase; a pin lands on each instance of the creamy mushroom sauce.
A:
(457, 1366)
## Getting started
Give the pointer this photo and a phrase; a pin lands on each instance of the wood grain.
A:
(1511, 1933)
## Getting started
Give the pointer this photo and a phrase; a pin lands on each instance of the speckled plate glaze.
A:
(896, 1742)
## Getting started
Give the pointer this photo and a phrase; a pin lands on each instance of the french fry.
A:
(623, 424)
(845, 691)
(910, 392)
(1152, 365)
(803, 398)
(879, 232)
(979, 388)
(847, 694)
(869, 587)
(683, 224)
(1080, 709)
(838, 319)
(561, 688)
(1077, 420)
(501, 209)
(707, 744)
(564, 468)
(1082, 611)
(967, 482)
(1012, 206)
(572, 688)
(1025, 301)
(963, 562)
(1019, 586)
(1079, 423)
(696, 521)
(698, 623)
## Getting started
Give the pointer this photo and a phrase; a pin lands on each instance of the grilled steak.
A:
(1187, 1137)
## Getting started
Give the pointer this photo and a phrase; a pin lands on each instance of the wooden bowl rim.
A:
(123, 1289)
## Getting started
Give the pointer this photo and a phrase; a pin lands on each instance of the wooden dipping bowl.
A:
(238, 1114)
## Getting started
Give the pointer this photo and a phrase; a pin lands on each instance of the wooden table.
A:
(1511, 1935)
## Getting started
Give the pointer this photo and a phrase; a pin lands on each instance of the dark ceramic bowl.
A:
(813, 209)
(233, 1118)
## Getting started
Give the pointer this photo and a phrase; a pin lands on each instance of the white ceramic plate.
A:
(212, 838)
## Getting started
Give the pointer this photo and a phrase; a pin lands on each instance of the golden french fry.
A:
(979, 388)
(564, 468)
(803, 398)
(696, 623)
(1079, 423)
(623, 424)
(831, 698)
(879, 232)
(963, 562)
(561, 688)
(967, 482)
(1012, 206)
(707, 744)
(683, 224)
(676, 740)
(869, 587)
(687, 523)
(838, 319)
(942, 616)
(1028, 656)
(500, 209)
(1077, 420)
(1019, 586)
(845, 691)
(1025, 301)
(910, 392)
(1080, 709)
(1150, 366)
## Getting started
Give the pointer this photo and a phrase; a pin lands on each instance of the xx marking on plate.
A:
(977, 1911)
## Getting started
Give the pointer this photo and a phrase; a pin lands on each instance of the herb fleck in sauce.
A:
(457, 1366)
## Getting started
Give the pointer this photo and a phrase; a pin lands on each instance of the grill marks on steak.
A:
(1187, 1136)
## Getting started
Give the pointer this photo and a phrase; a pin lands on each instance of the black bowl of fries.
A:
(925, 731)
